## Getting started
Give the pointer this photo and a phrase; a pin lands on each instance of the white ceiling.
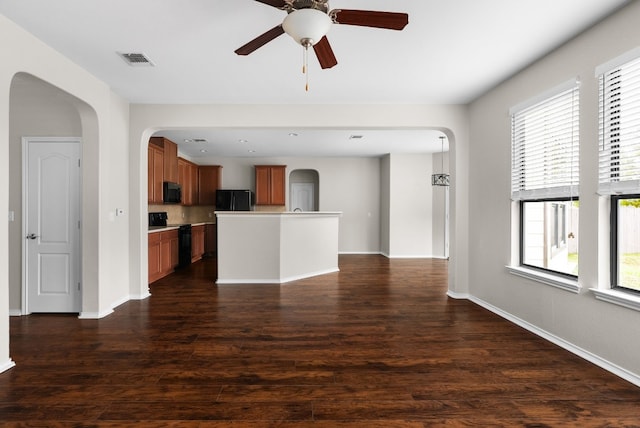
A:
(451, 52)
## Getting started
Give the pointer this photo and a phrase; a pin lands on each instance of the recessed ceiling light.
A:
(292, 134)
(356, 137)
(251, 151)
(188, 141)
(203, 151)
(242, 140)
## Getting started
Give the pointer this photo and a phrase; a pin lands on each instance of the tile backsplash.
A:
(178, 214)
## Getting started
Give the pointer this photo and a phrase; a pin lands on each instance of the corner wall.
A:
(604, 331)
(102, 115)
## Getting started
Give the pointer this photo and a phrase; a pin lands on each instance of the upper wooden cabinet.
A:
(170, 161)
(208, 183)
(187, 178)
(170, 165)
(270, 184)
(162, 166)
(155, 174)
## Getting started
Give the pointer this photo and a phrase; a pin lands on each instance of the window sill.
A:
(562, 283)
(620, 298)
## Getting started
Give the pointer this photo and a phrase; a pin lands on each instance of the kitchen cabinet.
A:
(187, 178)
(162, 166)
(154, 257)
(162, 254)
(197, 243)
(210, 240)
(270, 184)
(208, 183)
(170, 161)
(155, 174)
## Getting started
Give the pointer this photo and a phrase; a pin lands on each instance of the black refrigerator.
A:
(234, 200)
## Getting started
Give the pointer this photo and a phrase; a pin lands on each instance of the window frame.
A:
(613, 252)
(521, 233)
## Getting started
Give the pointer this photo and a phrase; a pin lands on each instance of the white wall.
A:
(385, 203)
(607, 331)
(410, 206)
(104, 130)
(439, 206)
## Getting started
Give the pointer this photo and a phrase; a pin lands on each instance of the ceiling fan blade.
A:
(370, 18)
(325, 53)
(275, 3)
(260, 41)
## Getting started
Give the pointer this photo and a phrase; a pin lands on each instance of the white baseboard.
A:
(15, 312)
(274, 281)
(95, 315)
(142, 296)
(457, 296)
(582, 353)
(7, 365)
(309, 275)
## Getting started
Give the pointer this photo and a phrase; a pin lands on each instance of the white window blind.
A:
(619, 167)
(545, 147)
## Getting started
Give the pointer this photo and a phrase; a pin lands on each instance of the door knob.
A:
(32, 236)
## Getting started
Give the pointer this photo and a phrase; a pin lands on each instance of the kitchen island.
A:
(274, 248)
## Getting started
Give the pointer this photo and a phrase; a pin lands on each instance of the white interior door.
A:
(51, 225)
(302, 196)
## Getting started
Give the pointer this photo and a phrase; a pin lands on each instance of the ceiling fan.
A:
(308, 22)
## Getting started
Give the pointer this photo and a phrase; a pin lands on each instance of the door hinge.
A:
(78, 286)
(78, 163)
(78, 224)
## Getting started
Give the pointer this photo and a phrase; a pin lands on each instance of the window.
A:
(619, 167)
(625, 242)
(544, 179)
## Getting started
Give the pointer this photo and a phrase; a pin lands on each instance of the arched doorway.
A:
(304, 190)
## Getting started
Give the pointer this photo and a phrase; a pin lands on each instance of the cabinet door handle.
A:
(32, 236)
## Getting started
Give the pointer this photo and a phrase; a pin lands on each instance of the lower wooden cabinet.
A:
(163, 254)
(197, 243)
(154, 257)
(210, 240)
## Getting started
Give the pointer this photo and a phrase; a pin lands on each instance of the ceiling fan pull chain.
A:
(305, 67)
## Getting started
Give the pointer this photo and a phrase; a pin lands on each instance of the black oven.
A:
(184, 245)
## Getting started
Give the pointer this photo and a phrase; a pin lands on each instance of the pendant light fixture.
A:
(441, 179)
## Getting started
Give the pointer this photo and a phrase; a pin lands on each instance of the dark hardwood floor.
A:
(377, 345)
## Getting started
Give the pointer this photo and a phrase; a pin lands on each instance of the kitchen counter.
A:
(273, 248)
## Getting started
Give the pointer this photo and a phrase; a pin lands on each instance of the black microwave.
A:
(171, 193)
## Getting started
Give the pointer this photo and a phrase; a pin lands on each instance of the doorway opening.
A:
(304, 190)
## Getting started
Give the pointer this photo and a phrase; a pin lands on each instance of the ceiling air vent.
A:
(136, 59)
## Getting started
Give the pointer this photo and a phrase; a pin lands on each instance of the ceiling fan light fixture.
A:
(307, 26)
